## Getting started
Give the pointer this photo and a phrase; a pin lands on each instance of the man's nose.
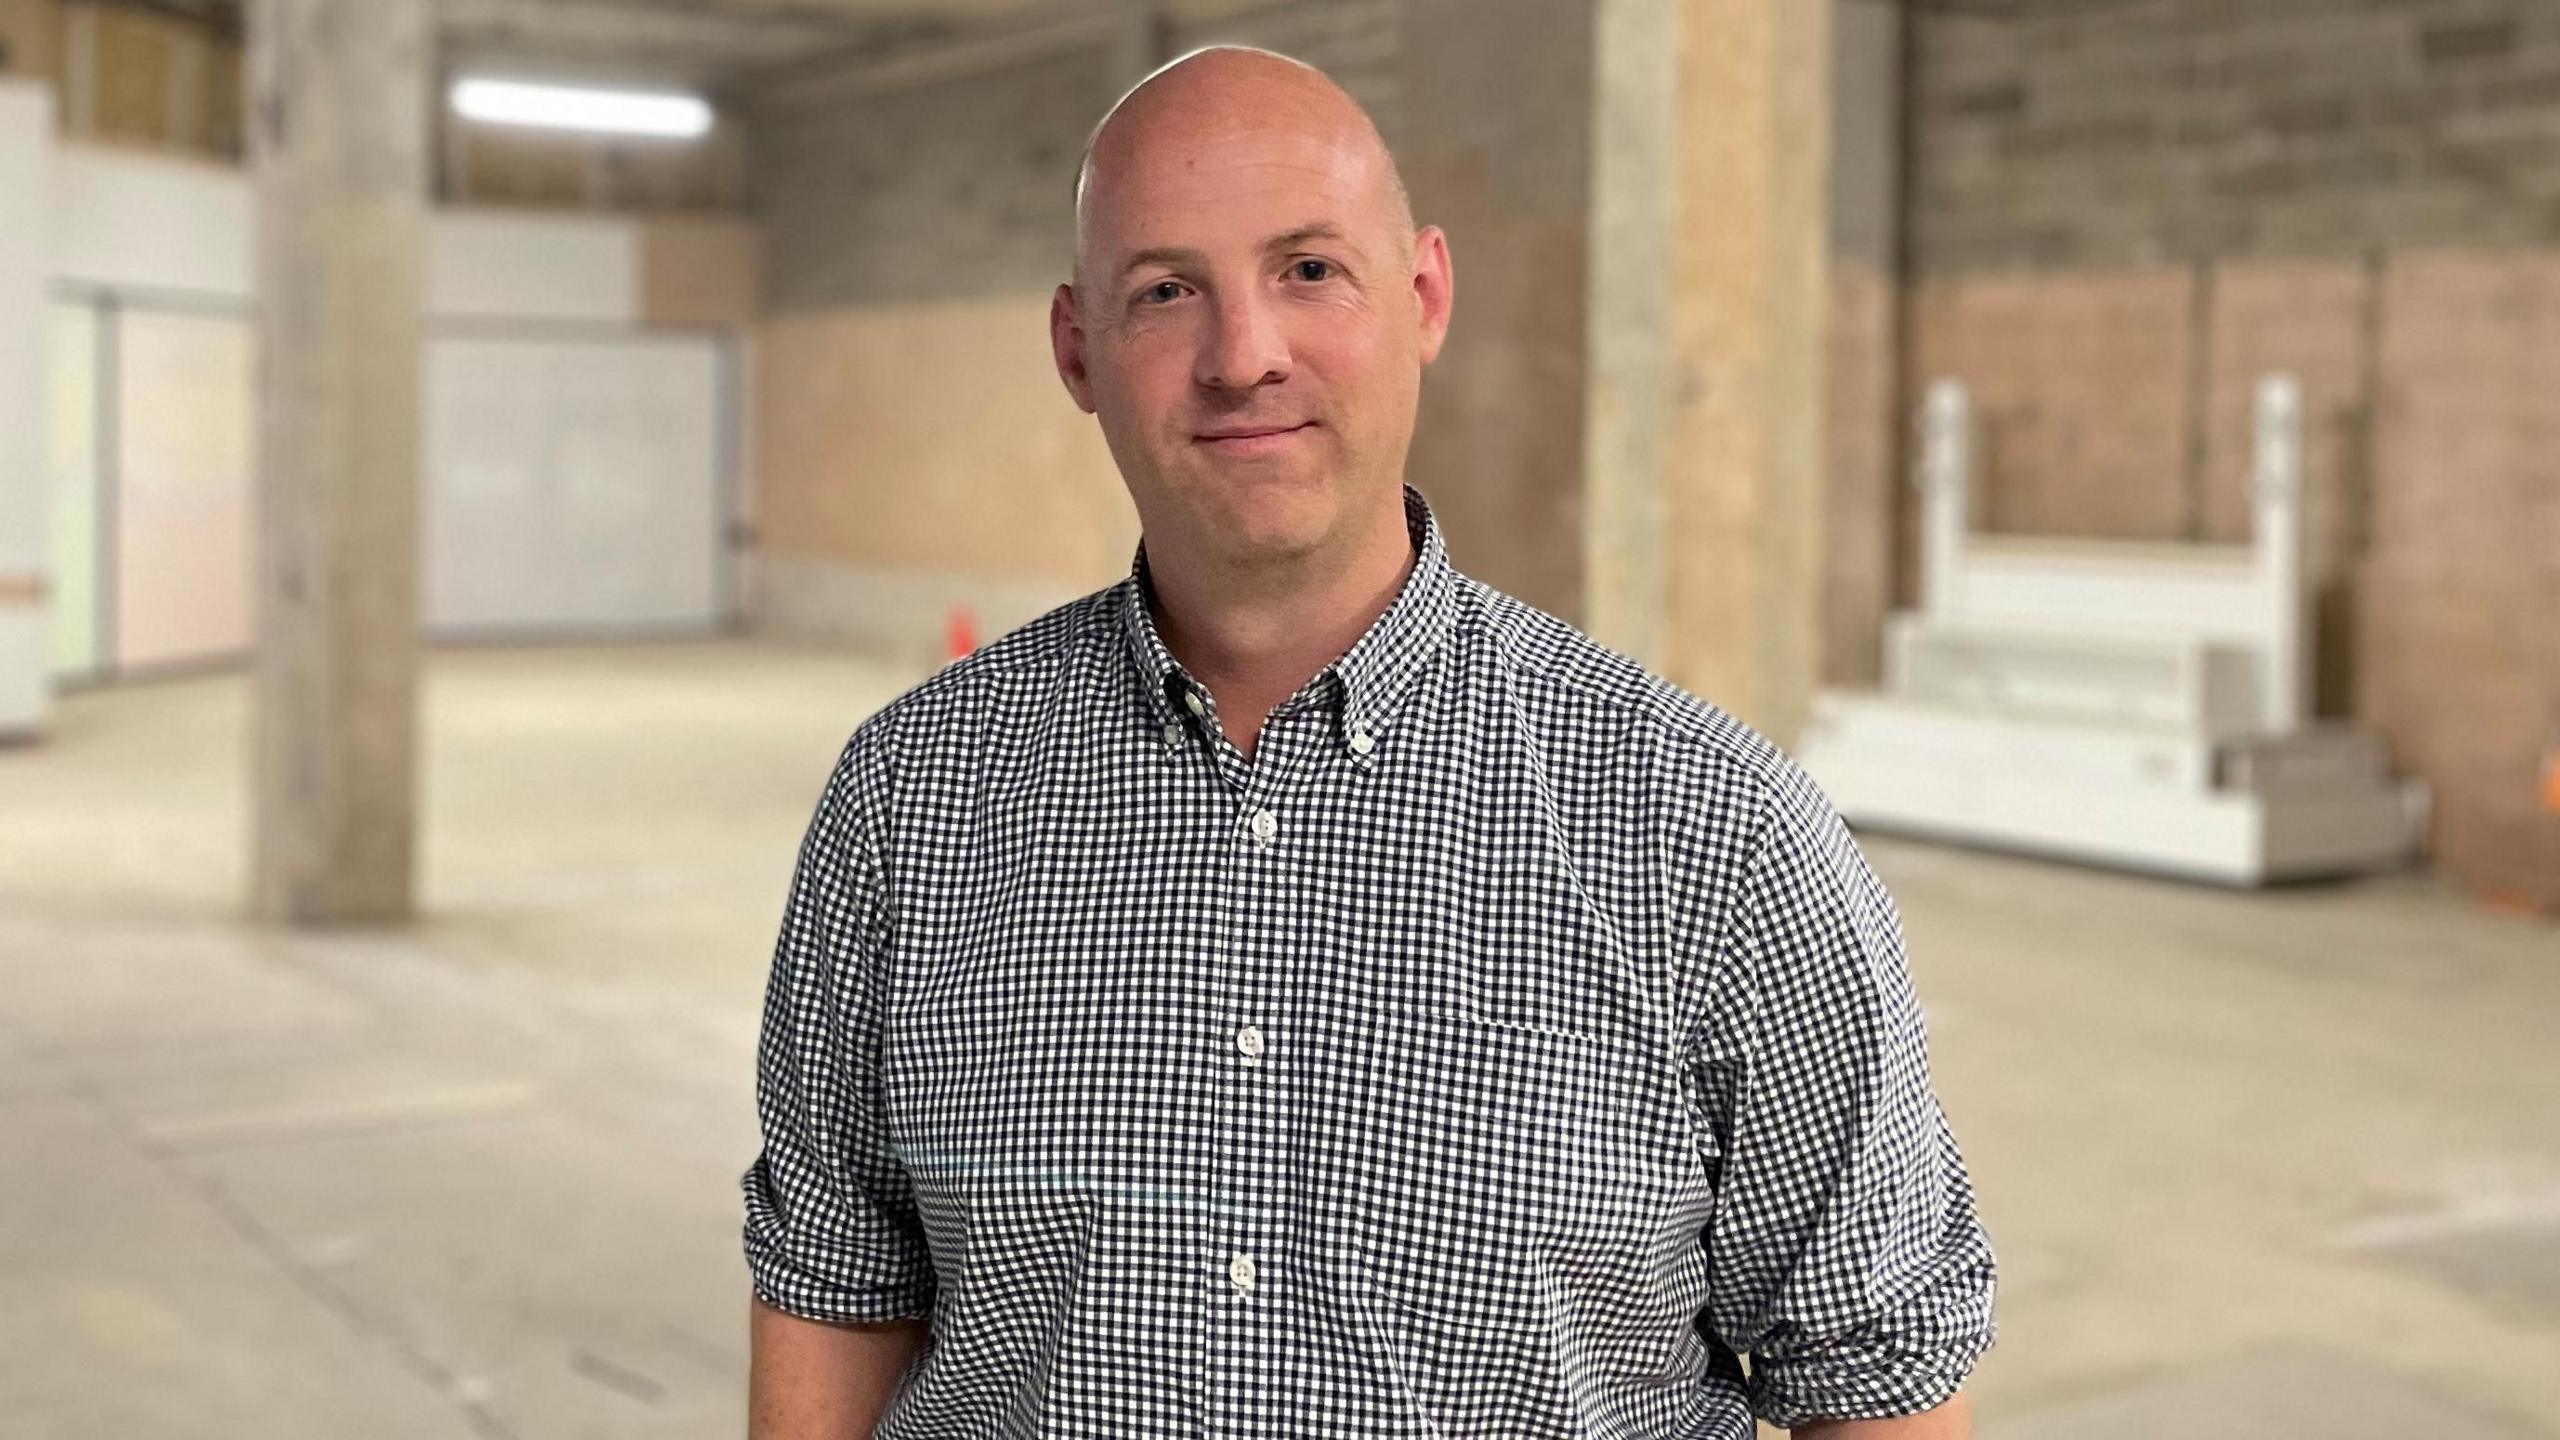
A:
(1244, 347)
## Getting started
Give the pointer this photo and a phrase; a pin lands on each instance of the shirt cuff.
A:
(1859, 1382)
(795, 1290)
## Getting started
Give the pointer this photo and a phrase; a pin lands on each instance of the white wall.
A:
(572, 485)
(544, 267)
(147, 225)
(536, 339)
(26, 147)
(144, 223)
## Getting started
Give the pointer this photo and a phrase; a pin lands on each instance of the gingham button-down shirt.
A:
(1515, 1046)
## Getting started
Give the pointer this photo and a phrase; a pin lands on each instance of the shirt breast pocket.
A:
(1506, 1168)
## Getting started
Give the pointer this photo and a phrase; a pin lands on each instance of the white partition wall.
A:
(26, 149)
(577, 472)
(73, 470)
(573, 484)
(184, 513)
(499, 265)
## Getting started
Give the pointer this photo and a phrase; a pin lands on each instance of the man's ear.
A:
(1434, 287)
(1066, 346)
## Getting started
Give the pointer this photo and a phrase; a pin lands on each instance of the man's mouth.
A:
(1246, 439)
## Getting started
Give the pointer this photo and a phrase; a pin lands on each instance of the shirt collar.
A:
(1370, 677)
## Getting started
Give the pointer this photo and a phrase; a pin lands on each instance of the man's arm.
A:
(1847, 1267)
(1951, 1421)
(839, 1261)
(812, 1380)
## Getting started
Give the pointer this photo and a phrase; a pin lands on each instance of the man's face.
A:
(1248, 326)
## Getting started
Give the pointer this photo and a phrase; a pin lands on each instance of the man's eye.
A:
(1313, 270)
(1161, 292)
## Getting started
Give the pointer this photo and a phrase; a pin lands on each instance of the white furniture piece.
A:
(2124, 703)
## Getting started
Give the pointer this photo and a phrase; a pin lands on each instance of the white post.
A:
(26, 242)
(2275, 497)
(1945, 478)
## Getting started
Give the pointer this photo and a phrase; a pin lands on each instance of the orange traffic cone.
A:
(959, 633)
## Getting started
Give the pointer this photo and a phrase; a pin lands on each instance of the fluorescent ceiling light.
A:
(564, 107)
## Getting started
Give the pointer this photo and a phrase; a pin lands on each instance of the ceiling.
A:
(722, 45)
(747, 51)
(713, 44)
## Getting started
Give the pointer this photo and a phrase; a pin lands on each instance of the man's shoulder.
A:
(1564, 667)
(1572, 679)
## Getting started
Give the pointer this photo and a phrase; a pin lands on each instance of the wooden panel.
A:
(2462, 658)
(698, 270)
(506, 165)
(138, 76)
(2082, 384)
(134, 58)
(31, 38)
(933, 436)
(2466, 686)
(2465, 475)
(226, 83)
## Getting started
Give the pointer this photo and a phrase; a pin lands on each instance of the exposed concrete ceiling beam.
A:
(698, 43)
(878, 69)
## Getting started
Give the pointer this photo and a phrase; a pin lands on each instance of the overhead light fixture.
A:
(659, 114)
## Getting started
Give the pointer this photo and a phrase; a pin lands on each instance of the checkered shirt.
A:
(1516, 1045)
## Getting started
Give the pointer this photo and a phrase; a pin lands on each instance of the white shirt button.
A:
(1192, 699)
(1265, 825)
(1173, 734)
(1362, 742)
(1240, 1270)
(1249, 1040)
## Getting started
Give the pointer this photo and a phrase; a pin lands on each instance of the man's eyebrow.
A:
(1177, 256)
(1321, 230)
(1170, 256)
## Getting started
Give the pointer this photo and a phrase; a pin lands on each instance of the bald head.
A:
(1226, 90)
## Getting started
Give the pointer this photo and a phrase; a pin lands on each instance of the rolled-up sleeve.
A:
(831, 1228)
(1846, 1259)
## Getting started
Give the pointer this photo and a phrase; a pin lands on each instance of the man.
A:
(1301, 991)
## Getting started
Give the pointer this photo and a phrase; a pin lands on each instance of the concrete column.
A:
(1868, 410)
(1709, 235)
(1496, 148)
(338, 142)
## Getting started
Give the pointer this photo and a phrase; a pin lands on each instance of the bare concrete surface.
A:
(2264, 1165)
(2279, 1393)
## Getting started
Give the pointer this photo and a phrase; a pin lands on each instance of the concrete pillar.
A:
(1867, 408)
(1709, 243)
(1496, 148)
(338, 142)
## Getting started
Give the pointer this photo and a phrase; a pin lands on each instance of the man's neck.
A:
(1254, 646)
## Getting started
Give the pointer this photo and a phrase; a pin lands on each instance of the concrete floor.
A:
(2266, 1166)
